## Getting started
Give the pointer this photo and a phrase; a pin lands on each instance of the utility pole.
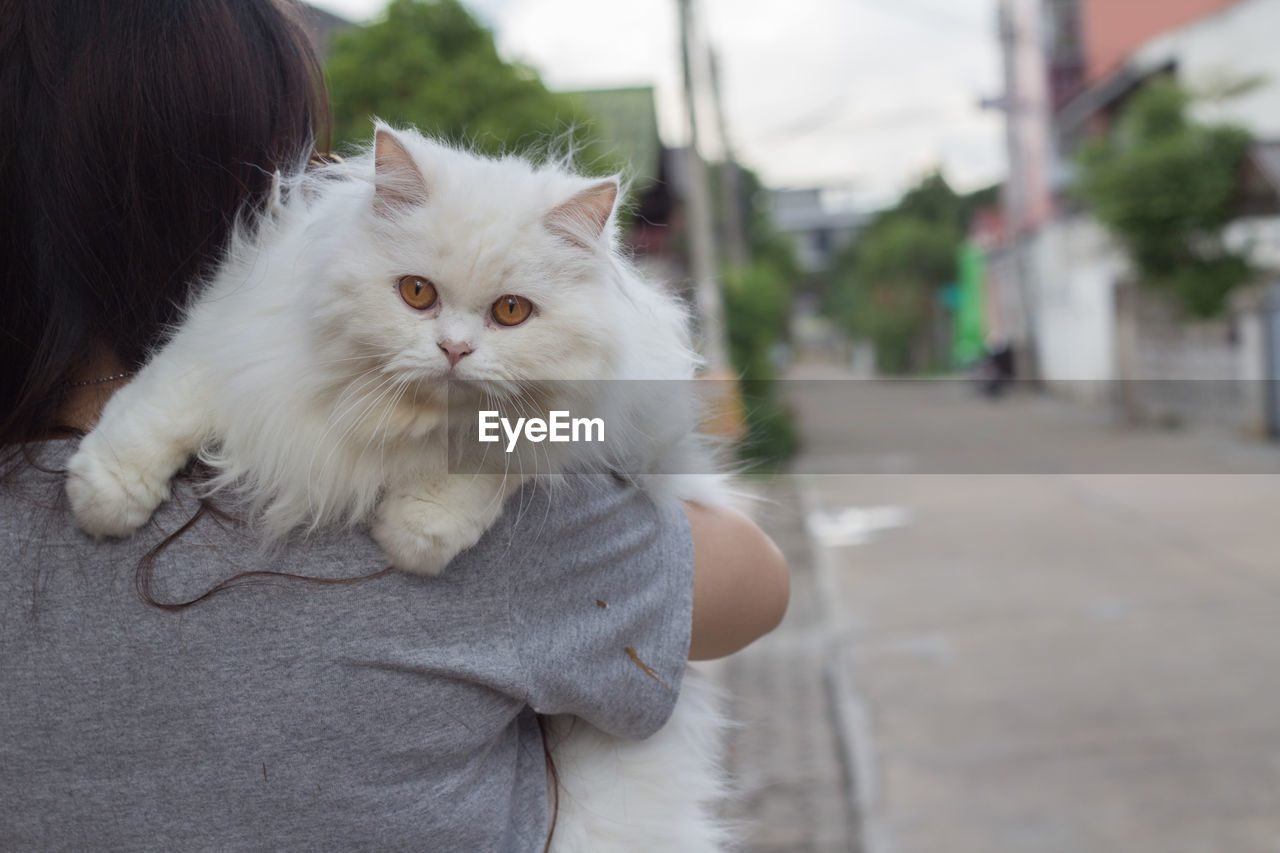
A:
(1016, 198)
(702, 250)
(735, 238)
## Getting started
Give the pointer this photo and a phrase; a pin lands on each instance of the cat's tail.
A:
(662, 793)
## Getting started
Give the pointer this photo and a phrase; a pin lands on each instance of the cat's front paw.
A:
(109, 497)
(422, 533)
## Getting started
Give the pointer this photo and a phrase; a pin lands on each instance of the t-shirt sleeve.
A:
(601, 607)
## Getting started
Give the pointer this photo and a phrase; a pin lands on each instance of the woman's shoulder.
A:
(318, 693)
(191, 545)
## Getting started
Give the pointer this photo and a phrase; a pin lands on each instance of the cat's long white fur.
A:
(316, 395)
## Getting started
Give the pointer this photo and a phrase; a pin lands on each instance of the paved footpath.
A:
(793, 792)
(1042, 662)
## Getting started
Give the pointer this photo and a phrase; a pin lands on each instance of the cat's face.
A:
(484, 271)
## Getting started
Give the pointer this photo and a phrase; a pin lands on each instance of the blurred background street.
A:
(992, 288)
(1030, 662)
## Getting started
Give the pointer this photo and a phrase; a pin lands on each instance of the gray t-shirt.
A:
(391, 714)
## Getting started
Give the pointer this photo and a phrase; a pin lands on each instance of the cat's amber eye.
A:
(417, 292)
(512, 310)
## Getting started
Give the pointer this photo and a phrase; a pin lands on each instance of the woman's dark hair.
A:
(130, 135)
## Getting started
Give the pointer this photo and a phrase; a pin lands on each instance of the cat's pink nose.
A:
(454, 351)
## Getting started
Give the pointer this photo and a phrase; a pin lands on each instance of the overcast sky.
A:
(855, 95)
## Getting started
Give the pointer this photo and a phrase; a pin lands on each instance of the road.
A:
(998, 644)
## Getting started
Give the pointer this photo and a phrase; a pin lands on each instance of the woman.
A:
(304, 698)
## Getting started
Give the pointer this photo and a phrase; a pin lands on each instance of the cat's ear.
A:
(582, 219)
(398, 182)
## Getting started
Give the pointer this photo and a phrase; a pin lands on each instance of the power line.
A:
(886, 122)
(702, 250)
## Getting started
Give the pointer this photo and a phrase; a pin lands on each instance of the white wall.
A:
(1242, 40)
(1258, 237)
(1075, 269)
(1075, 265)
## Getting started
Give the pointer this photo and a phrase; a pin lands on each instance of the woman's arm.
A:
(741, 584)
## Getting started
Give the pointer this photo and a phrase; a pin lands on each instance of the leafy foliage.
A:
(429, 63)
(757, 306)
(1165, 187)
(885, 284)
(757, 303)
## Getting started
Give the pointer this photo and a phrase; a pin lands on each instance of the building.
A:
(1113, 31)
(1071, 68)
(626, 123)
(1228, 44)
(816, 226)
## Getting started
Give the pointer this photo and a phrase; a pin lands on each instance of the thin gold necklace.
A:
(112, 378)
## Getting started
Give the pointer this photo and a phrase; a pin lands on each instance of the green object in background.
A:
(968, 340)
(433, 65)
(757, 304)
(886, 285)
(626, 123)
(949, 296)
(1167, 186)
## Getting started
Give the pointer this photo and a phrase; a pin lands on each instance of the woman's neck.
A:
(99, 376)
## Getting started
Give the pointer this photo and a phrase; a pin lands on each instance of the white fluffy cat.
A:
(332, 369)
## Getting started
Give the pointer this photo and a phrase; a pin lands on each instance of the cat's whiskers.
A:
(336, 415)
(371, 382)
(395, 403)
(354, 387)
(328, 362)
(384, 391)
(541, 400)
(530, 405)
(491, 404)
(392, 395)
(367, 404)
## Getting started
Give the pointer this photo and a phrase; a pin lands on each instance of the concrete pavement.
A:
(1037, 662)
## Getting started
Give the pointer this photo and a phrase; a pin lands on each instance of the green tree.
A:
(757, 303)
(884, 285)
(430, 64)
(933, 201)
(1165, 187)
(757, 307)
(758, 297)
